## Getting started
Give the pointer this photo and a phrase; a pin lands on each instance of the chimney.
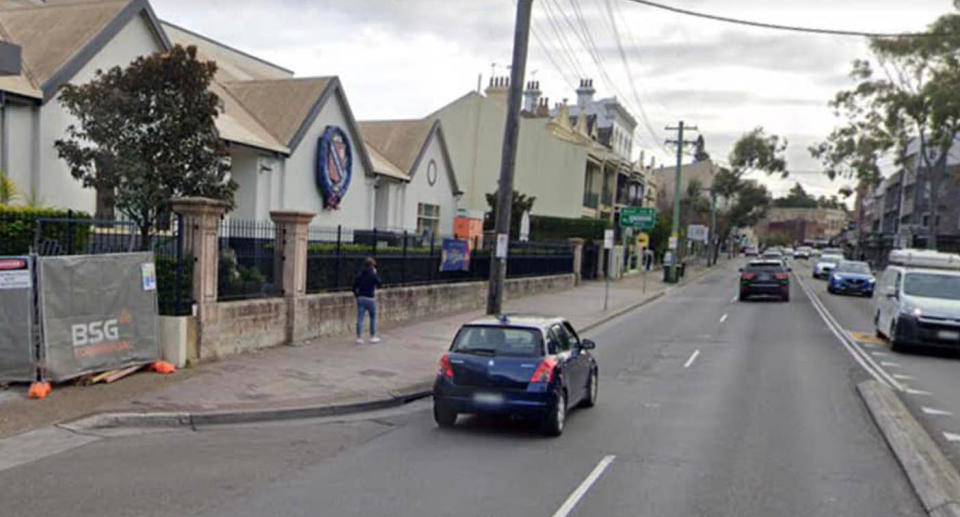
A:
(543, 108)
(531, 97)
(585, 92)
(499, 88)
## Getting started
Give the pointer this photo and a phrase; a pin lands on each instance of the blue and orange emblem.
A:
(334, 166)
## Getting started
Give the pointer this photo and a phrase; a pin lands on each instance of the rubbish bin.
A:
(670, 274)
(683, 269)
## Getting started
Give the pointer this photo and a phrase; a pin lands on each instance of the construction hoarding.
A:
(17, 355)
(99, 312)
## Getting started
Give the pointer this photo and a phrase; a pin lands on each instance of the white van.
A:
(918, 299)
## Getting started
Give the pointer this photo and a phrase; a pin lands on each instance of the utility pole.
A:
(675, 232)
(498, 261)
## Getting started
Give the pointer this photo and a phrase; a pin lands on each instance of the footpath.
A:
(317, 378)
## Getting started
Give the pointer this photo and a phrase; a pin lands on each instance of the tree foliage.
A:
(906, 102)
(146, 132)
(519, 204)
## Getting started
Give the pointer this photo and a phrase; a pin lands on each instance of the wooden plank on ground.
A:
(119, 374)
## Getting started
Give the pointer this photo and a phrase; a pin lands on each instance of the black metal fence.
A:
(80, 236)
(246, 262)
(336, 255)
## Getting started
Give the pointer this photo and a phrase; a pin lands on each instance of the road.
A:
(929, 375)
(708, 406)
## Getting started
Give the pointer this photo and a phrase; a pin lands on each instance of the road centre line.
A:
(723, 318)
(853, 348)
(693, 357)
(581, 490)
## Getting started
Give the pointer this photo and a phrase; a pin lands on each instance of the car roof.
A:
(931, 270)
(527, 320)
(765, 263)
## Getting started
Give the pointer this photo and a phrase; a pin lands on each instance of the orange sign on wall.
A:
(470, 229)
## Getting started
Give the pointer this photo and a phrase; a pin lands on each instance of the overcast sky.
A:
(406, 58)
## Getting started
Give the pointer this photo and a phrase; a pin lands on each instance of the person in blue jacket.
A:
(365, 289)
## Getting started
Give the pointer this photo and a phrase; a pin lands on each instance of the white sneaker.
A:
(374, 339)
(359, 340)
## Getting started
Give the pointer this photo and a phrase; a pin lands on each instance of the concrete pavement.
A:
(319, 375)
(707, 406)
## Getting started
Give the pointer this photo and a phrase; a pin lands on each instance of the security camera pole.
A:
(498, 263)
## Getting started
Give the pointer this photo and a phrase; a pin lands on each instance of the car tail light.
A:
(748, 276)
(445, 369)
(544, 372)
(781, 276)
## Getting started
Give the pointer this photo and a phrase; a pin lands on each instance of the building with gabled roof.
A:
(272, 122)
(423, 191)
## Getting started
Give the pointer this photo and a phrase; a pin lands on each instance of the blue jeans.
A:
(365, 304)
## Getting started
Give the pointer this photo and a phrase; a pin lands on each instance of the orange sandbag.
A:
(163, 367)
(39, 390)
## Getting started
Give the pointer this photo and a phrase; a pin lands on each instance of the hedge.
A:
(545, 228)
(18, 228)
(167, 285)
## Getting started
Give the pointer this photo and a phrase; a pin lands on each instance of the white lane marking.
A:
(902, 377)
(723, 318)
(934, 411)
(912, 391)
(880, 354)
(581, 490)
(890, 364)
(951, 437)
(693, 357)
(735, 298)
(853, 348)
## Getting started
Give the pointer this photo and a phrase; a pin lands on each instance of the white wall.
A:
(300, 191)
(243, 170)
(57, 187)
(19, 145)
(440, 193)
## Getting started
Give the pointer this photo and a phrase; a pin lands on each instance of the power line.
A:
(793, 28)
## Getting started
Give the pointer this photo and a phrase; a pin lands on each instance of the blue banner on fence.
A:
(456, 255)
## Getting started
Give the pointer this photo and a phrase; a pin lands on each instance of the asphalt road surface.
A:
(929, 375)
(707, 406)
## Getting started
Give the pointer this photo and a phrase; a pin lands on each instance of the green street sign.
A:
(637, 217)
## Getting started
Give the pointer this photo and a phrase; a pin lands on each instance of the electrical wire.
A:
(793, 28)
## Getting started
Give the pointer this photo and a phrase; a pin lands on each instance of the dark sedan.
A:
(516, 365)
(765, 278)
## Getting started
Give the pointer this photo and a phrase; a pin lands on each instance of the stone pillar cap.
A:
(199, 205)
(291, 216)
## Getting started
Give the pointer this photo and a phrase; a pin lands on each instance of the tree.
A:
(904, 102)
(146, 133)
(796, 198)
(8, 190)
(519, 204)
(700, 153)
(749, 201)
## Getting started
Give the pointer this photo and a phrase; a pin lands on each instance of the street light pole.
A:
(498, 259)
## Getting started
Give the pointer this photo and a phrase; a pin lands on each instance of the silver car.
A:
(824, 264)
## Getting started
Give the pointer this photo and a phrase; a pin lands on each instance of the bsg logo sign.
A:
(94, 332)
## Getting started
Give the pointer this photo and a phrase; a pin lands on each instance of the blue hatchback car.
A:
(852, 277)
(517, 365)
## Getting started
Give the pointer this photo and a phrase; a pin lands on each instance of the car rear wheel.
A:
(553, 425)
(590, 399)
(443, 415)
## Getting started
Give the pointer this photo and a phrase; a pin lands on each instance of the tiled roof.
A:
(400, 141)
(281, 105)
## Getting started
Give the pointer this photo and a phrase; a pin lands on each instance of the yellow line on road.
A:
(865, 337)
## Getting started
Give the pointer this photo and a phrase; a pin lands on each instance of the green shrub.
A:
(18, 227)
(545, 228)
(167, 285)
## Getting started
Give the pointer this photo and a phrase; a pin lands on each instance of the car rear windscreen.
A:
(765, 268)
(503, 341)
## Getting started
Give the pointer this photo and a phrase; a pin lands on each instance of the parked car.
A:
(765, 277)
(803, 252)
(831, 251)
(852, 277)
(789, 252)
(517, 365)
(919, 299)
(750, 251)
(825, 264)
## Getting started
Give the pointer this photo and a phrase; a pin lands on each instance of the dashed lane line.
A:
(890, 364)
(581, 490)
(693, 357)
(934, 411)
(951, 437)
(723, 318)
